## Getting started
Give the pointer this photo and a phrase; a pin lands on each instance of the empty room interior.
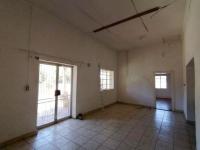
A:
(99, 75)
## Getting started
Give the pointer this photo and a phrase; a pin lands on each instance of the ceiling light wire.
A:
(141, 19)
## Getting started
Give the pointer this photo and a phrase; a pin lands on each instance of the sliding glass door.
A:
(64, 85)
(54, 94)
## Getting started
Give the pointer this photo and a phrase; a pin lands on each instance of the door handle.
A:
(57, 92)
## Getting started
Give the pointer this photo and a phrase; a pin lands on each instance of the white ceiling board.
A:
(143, 5)
(89, 15)
(108, 11)
(130, 31)
(164, 23)
(87, 7)
(66, 9)
(109, 37)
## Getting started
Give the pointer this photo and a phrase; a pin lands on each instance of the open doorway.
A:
(54, 93)
(163, 91)
(190, 79)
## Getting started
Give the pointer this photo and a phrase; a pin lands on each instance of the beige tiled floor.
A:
(120, 127)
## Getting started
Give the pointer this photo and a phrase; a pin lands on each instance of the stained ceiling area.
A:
(88, 15)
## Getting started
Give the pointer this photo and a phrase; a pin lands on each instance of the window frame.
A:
(108, 77)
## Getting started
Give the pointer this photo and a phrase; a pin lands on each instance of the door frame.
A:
(172, 76)
(57, 64)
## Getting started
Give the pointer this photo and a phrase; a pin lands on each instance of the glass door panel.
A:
(64, 85)
(46, 97)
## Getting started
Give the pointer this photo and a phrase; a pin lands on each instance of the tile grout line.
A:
(159, 130)
(140, 138)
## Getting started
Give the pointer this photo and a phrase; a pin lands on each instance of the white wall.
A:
(137, 68)
(43, 33)
(191, 47)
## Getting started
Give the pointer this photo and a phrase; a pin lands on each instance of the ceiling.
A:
(88, 15)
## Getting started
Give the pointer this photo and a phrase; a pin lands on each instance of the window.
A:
(106, 79)
(161, 82)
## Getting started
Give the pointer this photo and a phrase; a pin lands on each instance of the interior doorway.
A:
(190, 79)
(163, 91)
(54, 93)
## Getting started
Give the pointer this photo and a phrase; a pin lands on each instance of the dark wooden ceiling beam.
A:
(129, 18)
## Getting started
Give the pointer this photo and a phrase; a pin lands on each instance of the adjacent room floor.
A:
(121, 127)
(163, 104)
